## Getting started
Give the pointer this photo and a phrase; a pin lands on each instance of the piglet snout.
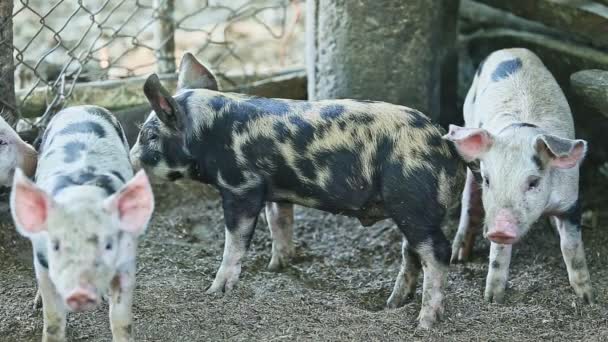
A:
(504, 230)
(82, 299)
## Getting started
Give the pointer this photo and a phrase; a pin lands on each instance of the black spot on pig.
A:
(330, 112)
(417, 120)
(182, 101)
(42, 260)
(506, 68)
(175, 175)
(118, 175)
(271, 106)
(102, 181)
(73, 151)
(281, 131)
(107, 116)
(364, 120)
(573, 214)
(538, 162)
(217, 103)
(84, 127)
(303, 135)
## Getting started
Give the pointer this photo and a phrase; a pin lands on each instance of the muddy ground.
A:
(334, 290)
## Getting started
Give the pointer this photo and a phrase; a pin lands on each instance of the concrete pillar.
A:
(397, 51)
(8, 107)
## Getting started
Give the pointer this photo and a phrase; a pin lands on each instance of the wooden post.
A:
(397, 51)
(165, 36)
(8, 106)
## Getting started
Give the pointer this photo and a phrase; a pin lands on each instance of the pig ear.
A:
(562, 153)
(30, 205)
(163, 103)
(134, 203)
(194, 75)
(471, 143)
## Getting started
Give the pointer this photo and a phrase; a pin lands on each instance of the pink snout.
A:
(82, 299)
(504, 230)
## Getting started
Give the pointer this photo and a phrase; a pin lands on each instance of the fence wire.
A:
(57, 44)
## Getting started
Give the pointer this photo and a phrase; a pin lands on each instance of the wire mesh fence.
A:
(58, 44)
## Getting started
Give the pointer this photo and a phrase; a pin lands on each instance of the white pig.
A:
(83, 216)
(14, 153)
(520, 131)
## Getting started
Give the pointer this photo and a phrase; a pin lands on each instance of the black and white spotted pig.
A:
(520, 129)
(14, 153)
(369, 160)
(83, 216)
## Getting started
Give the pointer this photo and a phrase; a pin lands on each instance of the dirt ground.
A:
(335, 289)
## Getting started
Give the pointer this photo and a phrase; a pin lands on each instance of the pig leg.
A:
(471, 216)
(498, 272)
(121, 302)
(434, 258)
(240, 215)
(37, 300)
(571, 244)
(53, 310)
(405, 285)
(280, 223)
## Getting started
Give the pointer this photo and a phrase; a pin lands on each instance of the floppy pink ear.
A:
(134, 203)
(30, 205)
(471, 143)
(562, 153)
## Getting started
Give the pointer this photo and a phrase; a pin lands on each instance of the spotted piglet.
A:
(369, 160)
(83, 216)
(14, 153)
(519, 128)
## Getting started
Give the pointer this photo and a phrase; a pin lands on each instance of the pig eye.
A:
(56, 246)
(533, 184)
(486, 181)
(109, 246)
(152, 136)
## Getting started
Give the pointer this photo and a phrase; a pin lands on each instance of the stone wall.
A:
(568, 35)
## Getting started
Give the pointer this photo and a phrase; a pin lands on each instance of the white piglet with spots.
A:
(83, 215)
(520, 132)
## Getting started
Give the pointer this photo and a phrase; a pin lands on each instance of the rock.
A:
(589, 102)
(475, 15)
(591, 86)
(8, 104)
(397, 51)
(587, 18)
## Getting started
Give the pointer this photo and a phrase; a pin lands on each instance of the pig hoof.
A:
(37, 300)
(495, 296)
(396, 301)
(456, 256)
(586, 296)
(426, 322)
(225, 280)
(278, 263)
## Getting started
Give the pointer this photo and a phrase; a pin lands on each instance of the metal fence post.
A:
(8, 104)
(165, 36)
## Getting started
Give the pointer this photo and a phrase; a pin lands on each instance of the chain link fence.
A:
(58, 44)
